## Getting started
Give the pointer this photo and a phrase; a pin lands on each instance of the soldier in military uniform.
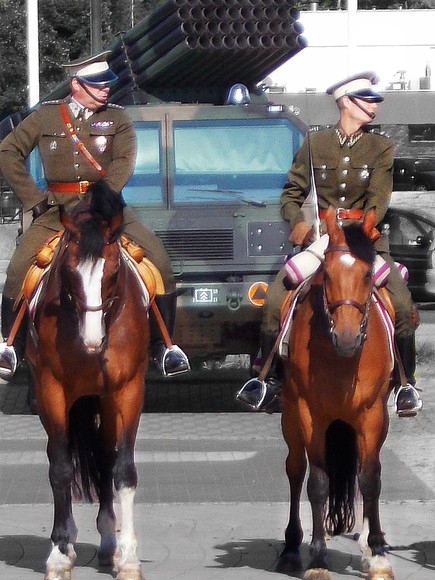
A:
(353, 171)
(80, 140)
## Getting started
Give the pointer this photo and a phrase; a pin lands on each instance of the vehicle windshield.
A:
(214, 161)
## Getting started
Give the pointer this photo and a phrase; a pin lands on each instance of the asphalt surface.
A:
(212, 497)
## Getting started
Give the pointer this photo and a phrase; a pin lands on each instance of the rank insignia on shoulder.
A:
(101, 124)
(114, 106)
(56, 102)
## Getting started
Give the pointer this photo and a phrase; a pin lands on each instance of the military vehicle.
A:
(213, 153)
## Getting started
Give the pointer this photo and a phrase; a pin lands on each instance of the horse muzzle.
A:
(347, 344)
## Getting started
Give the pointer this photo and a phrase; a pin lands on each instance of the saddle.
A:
(148, 274)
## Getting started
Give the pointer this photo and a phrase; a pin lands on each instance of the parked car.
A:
(414, 174)
(412, 243)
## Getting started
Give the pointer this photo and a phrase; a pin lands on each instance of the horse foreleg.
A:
(125, 479)
(106, 519)
(62, 556)
(318, 489)
(296, 465)
(372, 541)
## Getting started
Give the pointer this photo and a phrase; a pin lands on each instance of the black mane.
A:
(100, 206)
(359, 244)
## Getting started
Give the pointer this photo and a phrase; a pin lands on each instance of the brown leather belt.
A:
(69, 187)
(343, 214)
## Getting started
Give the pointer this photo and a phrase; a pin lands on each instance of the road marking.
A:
(40, 457)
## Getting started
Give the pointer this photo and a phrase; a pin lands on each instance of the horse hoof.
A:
(379, 568)
(317, 574)
(130, 574)
(53, 574)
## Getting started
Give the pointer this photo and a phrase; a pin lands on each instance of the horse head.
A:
(348, 281)
(91, 260)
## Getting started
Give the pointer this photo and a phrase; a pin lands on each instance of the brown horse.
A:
(89, 354)
(335, 403)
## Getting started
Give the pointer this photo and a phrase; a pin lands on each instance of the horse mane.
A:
(359, 244)
(98, 208)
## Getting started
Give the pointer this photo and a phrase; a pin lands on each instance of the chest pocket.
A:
(361, 172)
(54, 144)
(325, 174)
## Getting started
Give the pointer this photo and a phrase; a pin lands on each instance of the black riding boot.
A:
(168, 361)
(10, 356)
(264, 395)
(407, 399)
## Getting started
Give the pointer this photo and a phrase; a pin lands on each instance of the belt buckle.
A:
(337, 215)
(83, 187)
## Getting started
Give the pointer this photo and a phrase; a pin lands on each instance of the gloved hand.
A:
(39, 209)
(302, 235)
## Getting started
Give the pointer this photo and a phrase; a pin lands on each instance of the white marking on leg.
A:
(92, 330)
(363, 541)
(127, 537)
(59, 562)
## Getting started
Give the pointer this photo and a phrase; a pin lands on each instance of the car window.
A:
(403, 230)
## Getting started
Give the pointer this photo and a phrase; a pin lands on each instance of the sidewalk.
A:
(213, 542)
(218, 540)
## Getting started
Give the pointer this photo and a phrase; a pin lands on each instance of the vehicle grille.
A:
(199, 244)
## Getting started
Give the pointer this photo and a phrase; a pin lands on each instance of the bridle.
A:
(329, 308)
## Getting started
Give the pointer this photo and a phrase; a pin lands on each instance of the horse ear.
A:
(116, 222)
(369, 222)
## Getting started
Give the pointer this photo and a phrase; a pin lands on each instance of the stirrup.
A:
(8, 361)
(413, 402)
(258, 395)
(174, 362)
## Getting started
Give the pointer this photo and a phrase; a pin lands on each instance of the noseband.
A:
(331, 308)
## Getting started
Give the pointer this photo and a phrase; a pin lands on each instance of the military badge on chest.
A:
(101, 143)
(100, 140)
(364, 173)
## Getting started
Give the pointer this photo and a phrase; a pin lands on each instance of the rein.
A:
(331, 308)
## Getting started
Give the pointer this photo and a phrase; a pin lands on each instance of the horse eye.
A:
(368, 276)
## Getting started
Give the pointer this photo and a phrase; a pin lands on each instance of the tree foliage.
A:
(64, 35)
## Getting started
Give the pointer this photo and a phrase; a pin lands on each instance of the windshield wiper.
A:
(237, 194)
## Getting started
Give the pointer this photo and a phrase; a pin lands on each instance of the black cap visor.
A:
(366, 95)
(102, 79)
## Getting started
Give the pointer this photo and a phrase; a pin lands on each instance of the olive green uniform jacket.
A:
(109, 136)
(354, 174)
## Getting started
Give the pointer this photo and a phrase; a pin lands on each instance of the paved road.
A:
(212, 500)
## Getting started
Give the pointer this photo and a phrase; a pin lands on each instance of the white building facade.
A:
(399, 45)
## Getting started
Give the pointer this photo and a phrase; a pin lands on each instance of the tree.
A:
(64, 35)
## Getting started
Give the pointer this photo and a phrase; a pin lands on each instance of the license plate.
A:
(205, 295)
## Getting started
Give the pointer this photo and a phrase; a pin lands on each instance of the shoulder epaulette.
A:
(56, 102)
(378, 131)
(114, 106)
